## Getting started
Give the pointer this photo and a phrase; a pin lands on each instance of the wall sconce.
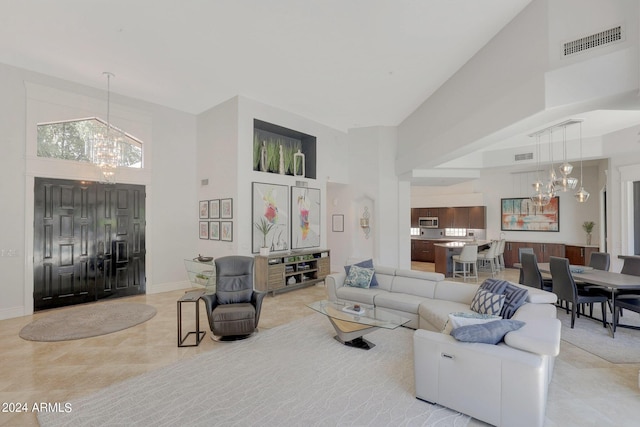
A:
(364, 223)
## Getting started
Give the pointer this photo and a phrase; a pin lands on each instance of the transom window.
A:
(74, 140)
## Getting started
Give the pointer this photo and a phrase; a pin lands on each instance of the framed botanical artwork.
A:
(226, 231)
(337, 223)
(305, 217)
(270, 206)
(204, 230)
(226, 208)
(214, 209)
(214, 230)
(204, 209)
(521, 214)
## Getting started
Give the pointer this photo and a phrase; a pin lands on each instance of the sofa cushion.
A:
(417, 283)
(384, 276)
(368, 263)
(358, 295)
(487, 333)
(400, 302)
(486, 302)
(538, 336)
(514, 298)
(359, 277)
(436, 312)
(455, 291)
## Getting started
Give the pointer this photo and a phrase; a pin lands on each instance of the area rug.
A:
(292, 375)
(591, 336)
(87, 321)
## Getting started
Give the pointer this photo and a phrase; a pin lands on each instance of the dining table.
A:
(608, 280)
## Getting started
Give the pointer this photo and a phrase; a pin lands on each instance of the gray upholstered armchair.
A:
(234, 310)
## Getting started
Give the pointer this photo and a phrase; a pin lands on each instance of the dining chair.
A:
(468, 258)
(489, 258)
(600, 261)
(565, 288)
(531, 275)
(520, 252)
(631, 266)
(500, 254)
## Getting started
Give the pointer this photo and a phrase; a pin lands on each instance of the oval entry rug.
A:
(87, 321)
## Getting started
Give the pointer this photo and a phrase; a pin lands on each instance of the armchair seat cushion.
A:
(231, 312)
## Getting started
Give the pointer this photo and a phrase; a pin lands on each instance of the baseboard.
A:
(168, 287)
(9, 313)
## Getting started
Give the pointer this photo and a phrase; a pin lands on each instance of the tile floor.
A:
(586, 390)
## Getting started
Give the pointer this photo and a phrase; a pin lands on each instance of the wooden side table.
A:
(193, 297)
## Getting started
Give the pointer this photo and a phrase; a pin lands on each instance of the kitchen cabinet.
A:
(461, 217)
(431, 212)
(579, 255)
(415, 214)
(477, 217)
(422, 250)
(445, 218)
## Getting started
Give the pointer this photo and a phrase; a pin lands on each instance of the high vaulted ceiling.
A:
(343, 63)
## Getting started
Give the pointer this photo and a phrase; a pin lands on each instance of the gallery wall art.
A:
(270, 203)
(305, 217)
(521, 214)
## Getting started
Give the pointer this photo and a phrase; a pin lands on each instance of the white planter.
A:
(264, 251)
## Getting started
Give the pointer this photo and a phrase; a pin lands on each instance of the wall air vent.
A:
(602, 38)
(524, 156)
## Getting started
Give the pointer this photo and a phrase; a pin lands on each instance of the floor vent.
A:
(600, 39)
(524, 156)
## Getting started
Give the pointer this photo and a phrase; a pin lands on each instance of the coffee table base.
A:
(350, 334)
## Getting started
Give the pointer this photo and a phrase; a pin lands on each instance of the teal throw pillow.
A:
(368, 263)
(486, 302)
(359, 277)
(486, 333)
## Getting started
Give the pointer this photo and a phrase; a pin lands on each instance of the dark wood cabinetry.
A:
(579, 255)
(473, 217)
(543, 252)
(422, 250)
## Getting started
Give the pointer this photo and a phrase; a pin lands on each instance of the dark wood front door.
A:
(88, 241)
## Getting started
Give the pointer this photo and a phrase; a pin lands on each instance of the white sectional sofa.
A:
(504, 384)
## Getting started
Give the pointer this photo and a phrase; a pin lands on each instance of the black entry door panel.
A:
(88, 241)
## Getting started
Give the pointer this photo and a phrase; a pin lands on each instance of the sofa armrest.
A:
(539, 336)
(333, 281)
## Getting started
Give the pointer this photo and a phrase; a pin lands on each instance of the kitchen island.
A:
(444, 251)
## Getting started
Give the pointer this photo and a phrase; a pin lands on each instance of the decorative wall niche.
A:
(275, 150)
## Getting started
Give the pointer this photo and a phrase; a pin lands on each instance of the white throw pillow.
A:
(459, 319)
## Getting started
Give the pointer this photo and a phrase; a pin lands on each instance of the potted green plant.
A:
(264, 227)
(587, 226)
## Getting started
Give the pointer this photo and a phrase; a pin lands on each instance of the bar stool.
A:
(490, 257)
(469, 260)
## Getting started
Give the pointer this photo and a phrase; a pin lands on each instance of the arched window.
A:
(73, 140)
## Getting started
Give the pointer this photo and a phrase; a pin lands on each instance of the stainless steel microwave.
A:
(428, 222)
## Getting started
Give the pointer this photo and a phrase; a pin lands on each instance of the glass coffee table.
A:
(351, 325)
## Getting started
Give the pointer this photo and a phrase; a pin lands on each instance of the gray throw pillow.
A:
(514, 297)
(495, 286)
(368, 263)
(487, 333)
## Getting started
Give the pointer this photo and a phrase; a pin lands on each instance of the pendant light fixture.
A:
(106, 147)
(582, 195)
(565, 182)
(539, 198)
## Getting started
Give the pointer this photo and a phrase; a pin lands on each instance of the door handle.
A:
(447, 356)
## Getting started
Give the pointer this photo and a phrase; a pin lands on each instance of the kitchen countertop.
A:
(460, 243)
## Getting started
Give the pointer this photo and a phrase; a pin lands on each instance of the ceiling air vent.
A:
(525, 156)
(599, 39)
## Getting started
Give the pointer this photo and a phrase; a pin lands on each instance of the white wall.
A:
(168, 175)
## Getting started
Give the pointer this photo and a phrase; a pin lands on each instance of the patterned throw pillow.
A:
(359, 277)
(495, 286)
(485, 302)
(365, 264)
(514, 298)
(487, 333)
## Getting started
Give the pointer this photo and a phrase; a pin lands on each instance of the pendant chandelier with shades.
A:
(544, 191)
(106, 145)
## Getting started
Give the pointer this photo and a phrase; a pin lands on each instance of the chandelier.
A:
(106, 145)
(544, 191)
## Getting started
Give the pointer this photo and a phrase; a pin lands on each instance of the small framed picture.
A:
(226, 208)
(226, 231)
(337, 223)
(214, 209)
(204, 209)
(204, 229)
(214, 230)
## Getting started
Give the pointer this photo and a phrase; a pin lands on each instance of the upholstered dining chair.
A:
(565, 288)
(489, 258)
(631, 266)
(600, 261)
(234, 309)
(520, 252)
(468, 258)
(531, 275)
